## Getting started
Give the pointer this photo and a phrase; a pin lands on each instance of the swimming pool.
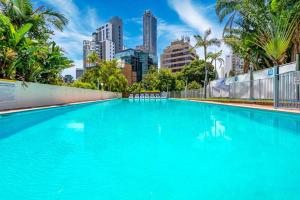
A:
(160, 150)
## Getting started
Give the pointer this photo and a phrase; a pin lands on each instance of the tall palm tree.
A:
(228, 10)
(214, 58)
(204, 42)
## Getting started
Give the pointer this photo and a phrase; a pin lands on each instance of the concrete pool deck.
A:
(249, 105)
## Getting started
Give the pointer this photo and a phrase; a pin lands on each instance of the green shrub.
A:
(80, 84)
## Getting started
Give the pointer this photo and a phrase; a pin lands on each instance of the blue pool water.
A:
(157, 150)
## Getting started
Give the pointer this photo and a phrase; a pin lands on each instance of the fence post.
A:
(251, 81)
(298, 69)
(276, 86)
(259, 88)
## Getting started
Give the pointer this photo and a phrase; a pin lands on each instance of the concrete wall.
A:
(14, 95)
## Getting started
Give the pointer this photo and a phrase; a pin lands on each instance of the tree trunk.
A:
(246, 65)
(206, 73)
(296, 43)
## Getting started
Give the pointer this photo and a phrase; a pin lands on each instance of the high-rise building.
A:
(87, 45)
(117, 33)
(150, 33)
(177, 55)
(106, 41)
(233, 66)
(140, 62)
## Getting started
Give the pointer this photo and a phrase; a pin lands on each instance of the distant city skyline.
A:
(174, 19)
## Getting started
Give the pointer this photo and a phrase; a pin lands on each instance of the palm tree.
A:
(228, 10)
(204, 42)
(93, 59)
(214, 58)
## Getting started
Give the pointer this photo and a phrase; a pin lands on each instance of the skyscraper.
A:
(150, 33)
(106, 41)
(117, 33)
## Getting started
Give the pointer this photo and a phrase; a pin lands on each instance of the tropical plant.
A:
(22, 11)
(11, 40)
(275, 36)
(204, 42)
(26, 50)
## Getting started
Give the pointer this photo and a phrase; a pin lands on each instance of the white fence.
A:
(15, 95)
(289, 90)
(240, 87)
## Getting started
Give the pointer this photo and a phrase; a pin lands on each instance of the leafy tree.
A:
(196, 71)
(166, 80)
(150, 80)
(194, 85)
(108, 74)
(179, 85)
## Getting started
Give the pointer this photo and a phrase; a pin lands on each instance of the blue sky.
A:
(175, 18)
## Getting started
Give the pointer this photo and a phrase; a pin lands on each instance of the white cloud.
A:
(82, 22)
(172, 31)
(190, 15)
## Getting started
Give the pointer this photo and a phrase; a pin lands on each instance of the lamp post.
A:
(186, 86)
(102, 87)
